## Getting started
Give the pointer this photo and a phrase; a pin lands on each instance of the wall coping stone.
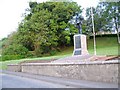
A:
(13, 64)
(81, 63)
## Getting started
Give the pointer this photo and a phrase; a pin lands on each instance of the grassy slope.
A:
(105, 46)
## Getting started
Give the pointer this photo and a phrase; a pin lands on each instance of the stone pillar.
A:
(80, 45)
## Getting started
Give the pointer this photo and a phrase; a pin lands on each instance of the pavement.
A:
(74, 59)
(85, 59)
(70, 83)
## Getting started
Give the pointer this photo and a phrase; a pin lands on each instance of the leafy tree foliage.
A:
(100, 20)
(106, 17)
(112, 13)
(43, 29)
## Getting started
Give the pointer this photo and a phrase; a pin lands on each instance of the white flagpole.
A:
(93, 31)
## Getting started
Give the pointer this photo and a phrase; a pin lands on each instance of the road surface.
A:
(11, 81)
(25, 80)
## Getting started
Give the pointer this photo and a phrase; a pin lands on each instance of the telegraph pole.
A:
(93, 31)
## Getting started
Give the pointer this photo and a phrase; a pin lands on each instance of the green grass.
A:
(104, 45)
(66, 51)
(3, 65)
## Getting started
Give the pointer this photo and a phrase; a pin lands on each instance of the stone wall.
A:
(14, 67)
(95, 71)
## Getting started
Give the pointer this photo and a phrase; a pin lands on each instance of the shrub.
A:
(53, 52)
(11, 57)
(31, 54)
(0, 58)
(15, 51)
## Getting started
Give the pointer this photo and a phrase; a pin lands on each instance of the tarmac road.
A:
(11, 81)
(25, 80)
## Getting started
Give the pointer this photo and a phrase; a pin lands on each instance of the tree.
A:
(100, 20)
(112, 13)
(106, 17)
(44, 28)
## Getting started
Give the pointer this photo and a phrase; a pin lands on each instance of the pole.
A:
(93, 31)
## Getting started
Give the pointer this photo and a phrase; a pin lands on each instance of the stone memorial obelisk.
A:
(80, 44)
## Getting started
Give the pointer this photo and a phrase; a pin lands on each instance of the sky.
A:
(11, 12)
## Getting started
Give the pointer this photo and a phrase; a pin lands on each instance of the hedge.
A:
(11, 57)
(104, 35)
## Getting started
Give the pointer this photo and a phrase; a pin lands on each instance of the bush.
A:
(15, 51)
(11, 57)
(31, 54)
(0, 58)
(53, 52)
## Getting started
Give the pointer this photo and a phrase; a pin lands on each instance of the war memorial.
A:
(81, 65)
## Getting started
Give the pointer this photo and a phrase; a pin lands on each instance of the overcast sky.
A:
(12, 10)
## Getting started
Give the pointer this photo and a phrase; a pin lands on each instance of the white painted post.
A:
(93, 32)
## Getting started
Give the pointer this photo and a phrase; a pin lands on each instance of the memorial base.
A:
(80, 45)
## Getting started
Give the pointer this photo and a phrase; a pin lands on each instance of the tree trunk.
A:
(37, 49)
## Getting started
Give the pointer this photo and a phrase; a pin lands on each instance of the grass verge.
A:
(3, 65)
